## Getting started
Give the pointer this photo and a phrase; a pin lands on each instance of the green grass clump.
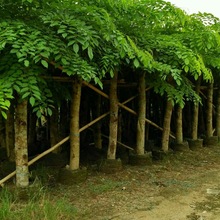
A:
(33, 203)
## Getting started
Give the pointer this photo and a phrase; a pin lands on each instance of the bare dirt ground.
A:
(185, 185)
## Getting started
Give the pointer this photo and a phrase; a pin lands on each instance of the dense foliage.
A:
(91, 39)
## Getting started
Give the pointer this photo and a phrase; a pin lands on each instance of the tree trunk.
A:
(74, 125)
(21, 150)
(97, 126)
(218, 114)
(209, 111)
(179, 125)
(113, 124)
(166, 126)
(10, 134)
(140, 142)
(196, 112)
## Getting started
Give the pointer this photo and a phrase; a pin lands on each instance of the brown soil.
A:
(182, 186)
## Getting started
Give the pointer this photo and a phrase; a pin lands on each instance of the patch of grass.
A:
(33, 204)
(105, 185)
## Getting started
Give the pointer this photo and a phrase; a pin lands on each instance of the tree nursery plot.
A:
(108, 110)
(181, 186)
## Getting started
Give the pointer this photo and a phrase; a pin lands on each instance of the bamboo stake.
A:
(2, 181)
(94, 121)
(124, 145)
(133, 97)
(120, 104)
(124, 107)
(35, 159)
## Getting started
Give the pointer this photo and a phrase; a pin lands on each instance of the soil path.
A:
(184, 186)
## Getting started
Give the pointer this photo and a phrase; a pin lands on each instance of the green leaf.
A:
(32, 101)
(136, 63)
(25, 95)
(4, 115)
(44, 63)
(64, 35)
(49, 111)
(26, 63)
(76, 48)
(16, 88)
(186, 61)
(7, 103)
(90, 53)
(64, 61)
(186, 69)
(39, 114)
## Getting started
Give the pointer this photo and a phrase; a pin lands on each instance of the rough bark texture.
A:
(21, 150)
(140, 142)
(97, 127)
(209, 111)
(74, 125)
(196, 113)
(113, 124)
(166, 126)
(179, 125)
(10, 134)
(218, 114)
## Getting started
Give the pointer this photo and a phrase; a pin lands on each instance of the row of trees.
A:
(152, 42)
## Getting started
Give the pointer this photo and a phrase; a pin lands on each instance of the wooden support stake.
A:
(124, 107)
(120, 104)
(35, 159)
(2, 181)
(124, 145)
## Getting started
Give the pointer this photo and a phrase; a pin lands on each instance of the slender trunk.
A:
(179, 125)
(196, 112)
(218, 114)
(140, 142)
(97, 127)
(10, 134)
(209, 111)
(21, 149)
(113, 123)
(74, 125)
(54, 130)
(166, 126)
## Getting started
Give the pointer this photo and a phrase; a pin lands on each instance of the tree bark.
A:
(166, 126)
(196, 112)
(10, 134)
(218, 114)
(21, 149)
(209, 111)
(140, 142)
(74, 125)
(113, 123)
(179, 125)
